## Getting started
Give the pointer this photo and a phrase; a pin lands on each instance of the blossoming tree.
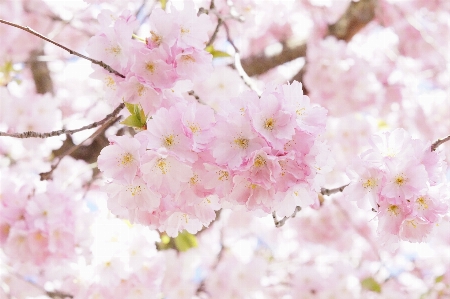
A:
(224, 149)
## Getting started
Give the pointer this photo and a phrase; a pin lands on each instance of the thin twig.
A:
(193, 94)
(31, 134)
(439, 142)
(213, 37)
(324, 191)
(237, 63)
(29, 30)
(280, 223)
(48, 175)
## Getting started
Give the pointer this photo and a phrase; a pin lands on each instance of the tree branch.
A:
(31, 134)
(261, 63)
(324, 191)
(238, 65)
(280, 223)
(92, 154)
(29, 30)
(439, 142)
(41, 74)
(356, 17)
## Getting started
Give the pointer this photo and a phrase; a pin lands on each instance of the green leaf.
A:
(137, 119)
(439, 278)
(216, 53)
(185, 241)
(130, 107)
(371, 284)
(142, 116)
(163, 4)
(132, 121)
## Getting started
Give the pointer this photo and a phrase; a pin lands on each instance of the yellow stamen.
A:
(259, 161)
(126, 159)
(241, 142)
(149, 66)
(423, 203)
(157, 39)
(168, 141)
(136, 190)
(162, 165)
(394, 210)
(400, 180)
(116, 50)
(269, 124)
(194, 180)
(223, 175)
(370, 183)
(187, 58)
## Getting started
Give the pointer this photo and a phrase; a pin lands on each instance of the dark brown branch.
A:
(355, 18)
(214, 35)
(31, 134)
(193, 94)
(73, 148)
(439, 142)
(41, 74)
(29, 30)
(357, 15)
(261, 63)
(324, 191)
(58, 295)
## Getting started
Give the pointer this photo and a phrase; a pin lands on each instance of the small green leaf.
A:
(185, 241)
(132, 121)
(142, 116)
(371, 284)
(163, 4)
(130, 107)
(439, 278)
(137, 118)
(216, 53)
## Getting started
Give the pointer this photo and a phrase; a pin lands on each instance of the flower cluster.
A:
(172, 52)
(263, 153)
(404, 181)
(40, 227)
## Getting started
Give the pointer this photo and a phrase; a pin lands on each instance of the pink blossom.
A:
(310, 118)
(198, 121)
(391, 217)
(165, 130)
(163, 32)
(204, 208)
(114, 45)
(415, 229)
(179, 221)
(137, 91)
(403, 180)
(251, 195)
(164, 172)
(193, 29)
(365, 186)
(152, 67)
(193, 64)
(273, 120)
(235, 141)
(219, 179)
(297, 196)
(262, 168)
(135, 195)
(121, 159)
